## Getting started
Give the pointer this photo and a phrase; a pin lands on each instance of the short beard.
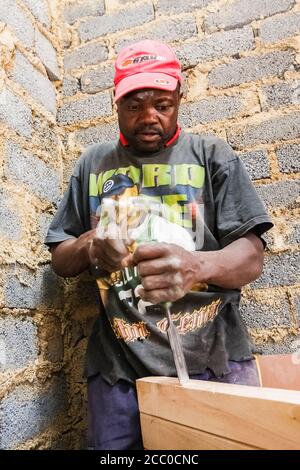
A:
(137, 146)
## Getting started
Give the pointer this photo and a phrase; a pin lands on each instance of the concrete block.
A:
(88, 108)
(34, 82)
(120, 21)
(272, 312)
(270, 130)
(11, 223)
(47, 54)
(29, 409)
(90, 54)
(279, 270)
(211, 109)
(98, 80)
(70, 86)
(241, 12)
(50, 288)
(166, 7)
(281, 194)
(169, 30)
(47, 138)
(25, 289)
(293, 238)
(287, 346)
(75, 11)
(280, 27)
(289, 158)
(40, 10)
(93, 135)
(18, 22)
(280, 94)
(251, 69)
(26, 168)
(18, 337)
(15, 113)
(225, 43)
(286, 233)
(256, 163)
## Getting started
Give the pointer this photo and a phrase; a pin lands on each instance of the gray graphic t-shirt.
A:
(200, 197)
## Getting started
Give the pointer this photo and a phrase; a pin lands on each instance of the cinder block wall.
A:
(33, 391)
(241, 62)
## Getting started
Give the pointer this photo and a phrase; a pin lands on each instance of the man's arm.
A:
(168, 271)
(73, 256)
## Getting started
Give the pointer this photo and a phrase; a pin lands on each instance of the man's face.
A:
(148, 118)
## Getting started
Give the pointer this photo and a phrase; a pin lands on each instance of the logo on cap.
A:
(161, 81)
(141, 58)
(108, 185)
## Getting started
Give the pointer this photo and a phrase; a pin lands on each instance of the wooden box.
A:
(208, 415)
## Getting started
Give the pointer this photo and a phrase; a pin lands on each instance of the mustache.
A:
(142, 129)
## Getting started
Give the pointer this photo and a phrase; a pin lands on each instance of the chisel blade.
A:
(176, 348)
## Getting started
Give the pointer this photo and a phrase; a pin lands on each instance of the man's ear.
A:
(115, 104)
(180, 93)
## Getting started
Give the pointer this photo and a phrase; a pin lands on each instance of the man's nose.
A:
(149, 115)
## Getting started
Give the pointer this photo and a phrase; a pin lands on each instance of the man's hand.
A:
(73, 256)
(167, 271)
(108, 253)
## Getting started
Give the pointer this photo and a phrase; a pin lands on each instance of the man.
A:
(205, 189)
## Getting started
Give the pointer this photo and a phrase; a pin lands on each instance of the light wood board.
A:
(254, 417)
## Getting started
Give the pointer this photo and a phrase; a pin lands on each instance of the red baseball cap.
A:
(146, 64)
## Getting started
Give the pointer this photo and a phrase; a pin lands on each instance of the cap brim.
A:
(161, 81)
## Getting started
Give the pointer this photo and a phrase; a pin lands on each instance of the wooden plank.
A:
(159, 434)
(279, 371)
(259, 417)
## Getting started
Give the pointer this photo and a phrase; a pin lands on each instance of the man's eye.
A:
(133, 107)
(163, 107)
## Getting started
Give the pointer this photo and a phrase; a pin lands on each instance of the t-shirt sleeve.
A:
(68, 221)
(239, 209)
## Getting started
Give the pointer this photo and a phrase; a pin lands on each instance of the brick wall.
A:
(33, 392)
(241, 63)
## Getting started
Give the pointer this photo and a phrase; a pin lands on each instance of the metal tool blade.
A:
(176, 347)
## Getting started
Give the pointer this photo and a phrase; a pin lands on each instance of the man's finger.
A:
(128, 261)
(164, 281)
(107, 264)
(150, 251)
(158, 295)
(158, 265)
(110, 246)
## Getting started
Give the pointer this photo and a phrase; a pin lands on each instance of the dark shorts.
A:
(113, 414)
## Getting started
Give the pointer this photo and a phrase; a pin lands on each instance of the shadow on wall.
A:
(81, 306)
(30, 409)
(24, 288)
(53, 339)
